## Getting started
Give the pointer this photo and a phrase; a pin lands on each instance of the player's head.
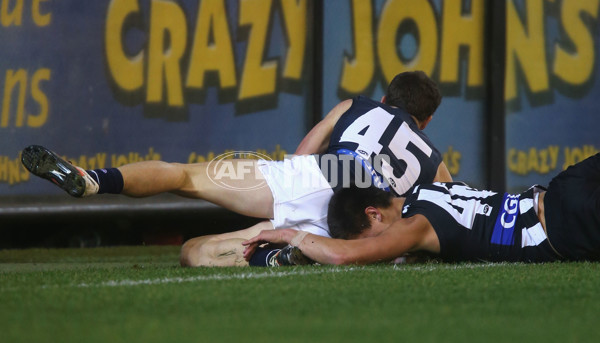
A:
(415, 92)
(347, 214)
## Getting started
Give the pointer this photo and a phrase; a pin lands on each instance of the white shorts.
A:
(300, 194)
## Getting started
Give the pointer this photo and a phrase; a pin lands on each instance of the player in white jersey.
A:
(287, 201)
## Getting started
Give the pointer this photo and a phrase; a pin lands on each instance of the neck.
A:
(389, 215)
(396, 208)
(419, 124)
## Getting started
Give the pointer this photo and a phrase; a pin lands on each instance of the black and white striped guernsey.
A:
(474, 225)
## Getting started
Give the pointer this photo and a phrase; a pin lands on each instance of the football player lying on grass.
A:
(290, 193)
(458, 223)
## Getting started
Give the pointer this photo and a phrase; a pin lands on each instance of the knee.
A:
(190, 180)
(180, 174)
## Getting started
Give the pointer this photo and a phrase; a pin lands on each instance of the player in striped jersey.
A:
(459, 223)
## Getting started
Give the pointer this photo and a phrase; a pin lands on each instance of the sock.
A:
(261, 257)
(109, 180)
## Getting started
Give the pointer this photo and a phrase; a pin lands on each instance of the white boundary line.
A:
(215, 277)
(278, 273)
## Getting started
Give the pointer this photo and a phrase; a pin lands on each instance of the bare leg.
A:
(222, 250)
(236, 184)
(248, 194)
(151, 177)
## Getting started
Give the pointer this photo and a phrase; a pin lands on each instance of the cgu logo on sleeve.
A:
(504, 229)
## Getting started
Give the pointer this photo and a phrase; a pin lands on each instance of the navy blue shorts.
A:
(572, 209)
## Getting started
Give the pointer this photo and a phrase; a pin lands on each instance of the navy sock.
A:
(261, 257)
(109, 180)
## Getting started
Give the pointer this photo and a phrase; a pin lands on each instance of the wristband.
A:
(297, 239)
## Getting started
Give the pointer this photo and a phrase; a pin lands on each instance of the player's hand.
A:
(279, 236)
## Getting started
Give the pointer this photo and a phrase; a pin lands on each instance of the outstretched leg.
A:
(245, 194)
(244, 190)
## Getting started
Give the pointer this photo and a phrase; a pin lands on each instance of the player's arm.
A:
(317, 139)
(443, 174)
(405, 235)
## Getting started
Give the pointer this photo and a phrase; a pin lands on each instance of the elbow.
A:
(337, 261)
(196, 252)
(188, 257)
(340, 259)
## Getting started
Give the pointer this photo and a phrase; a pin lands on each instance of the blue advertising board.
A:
(111, 82)
(551, 88)
(106, 83)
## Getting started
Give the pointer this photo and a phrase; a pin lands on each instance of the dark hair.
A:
(415, 92)
(346, 215)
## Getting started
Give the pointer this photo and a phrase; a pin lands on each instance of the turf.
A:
(140, 294)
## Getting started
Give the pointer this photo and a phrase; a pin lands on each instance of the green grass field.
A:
(140, 294)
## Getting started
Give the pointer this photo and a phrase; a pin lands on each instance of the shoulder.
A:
(345, 105)
(339, 109)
